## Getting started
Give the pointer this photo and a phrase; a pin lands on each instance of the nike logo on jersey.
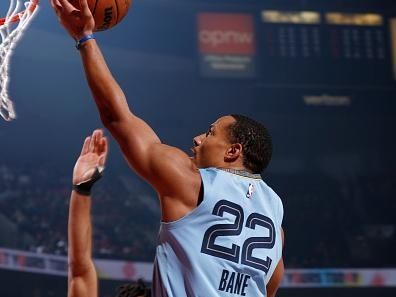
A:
(249, 193)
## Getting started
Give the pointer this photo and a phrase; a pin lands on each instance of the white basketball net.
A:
(19, 15)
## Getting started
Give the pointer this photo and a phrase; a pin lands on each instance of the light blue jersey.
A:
(228, 246)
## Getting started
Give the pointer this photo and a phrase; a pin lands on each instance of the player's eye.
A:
(210, 131)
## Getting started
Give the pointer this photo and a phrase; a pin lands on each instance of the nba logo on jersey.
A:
(249, 193)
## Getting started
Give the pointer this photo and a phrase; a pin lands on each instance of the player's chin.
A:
(194, 159)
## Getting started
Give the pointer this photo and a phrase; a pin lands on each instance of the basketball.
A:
(107, 13)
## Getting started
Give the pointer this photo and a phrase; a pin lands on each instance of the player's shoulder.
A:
(170, 158)
(172, 171)
(273, 198)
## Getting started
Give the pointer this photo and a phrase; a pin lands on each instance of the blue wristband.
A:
(83, 40)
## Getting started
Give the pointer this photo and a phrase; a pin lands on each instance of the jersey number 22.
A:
(234, 252)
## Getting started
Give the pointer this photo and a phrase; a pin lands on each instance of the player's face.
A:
(210, 148)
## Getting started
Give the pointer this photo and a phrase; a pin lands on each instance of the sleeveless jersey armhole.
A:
(201, 193)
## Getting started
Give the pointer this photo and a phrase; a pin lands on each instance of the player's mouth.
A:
(193, 152)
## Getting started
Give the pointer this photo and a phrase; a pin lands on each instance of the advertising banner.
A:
(227, 45)
(132, 271)
(328, 278)
(58, 265)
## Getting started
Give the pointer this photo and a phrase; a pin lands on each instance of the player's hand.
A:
(77, 20)
(93, 155)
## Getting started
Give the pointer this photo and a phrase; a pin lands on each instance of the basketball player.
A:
(82, 279)
(221, 231)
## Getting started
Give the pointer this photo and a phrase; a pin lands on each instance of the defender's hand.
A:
(93, 155)
(78, 21)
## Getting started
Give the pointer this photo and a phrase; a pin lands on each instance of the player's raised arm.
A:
(82, 274)
(108, 95)
(157, 163)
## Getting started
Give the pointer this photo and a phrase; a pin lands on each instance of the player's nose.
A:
(197, 140)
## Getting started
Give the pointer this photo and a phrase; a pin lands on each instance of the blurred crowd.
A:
(34, 202)
(347, 222)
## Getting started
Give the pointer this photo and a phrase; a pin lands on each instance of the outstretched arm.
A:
(159, 164)
(82, 274)
(108, 95)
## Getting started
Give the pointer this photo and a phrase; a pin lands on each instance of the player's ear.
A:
(234, 151)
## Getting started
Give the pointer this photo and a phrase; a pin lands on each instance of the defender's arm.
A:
(82, 279)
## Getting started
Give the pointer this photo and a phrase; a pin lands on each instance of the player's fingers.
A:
(104, 150)
(93, 141)
(98, 139)
(99, 133)
(67, 5)
(101, 145)
(54, 3)
(56, 6)
(105, 145)
(85, 147)
(84, 7)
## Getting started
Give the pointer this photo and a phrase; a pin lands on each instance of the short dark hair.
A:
(255, 140)
(134, 290)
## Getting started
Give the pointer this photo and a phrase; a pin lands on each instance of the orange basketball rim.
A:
(31, 6)
(12, 26)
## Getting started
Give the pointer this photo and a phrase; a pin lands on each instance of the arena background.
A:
(320, 74)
